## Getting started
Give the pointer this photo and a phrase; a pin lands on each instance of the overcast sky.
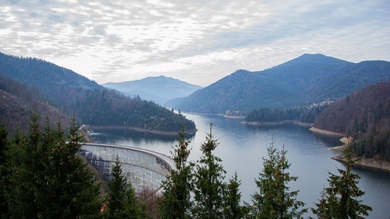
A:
(198, 41)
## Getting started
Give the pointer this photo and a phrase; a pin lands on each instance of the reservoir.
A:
(242, 149)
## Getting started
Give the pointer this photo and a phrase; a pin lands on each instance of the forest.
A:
(297, 114)
(310, 78)
(365, 116)
(31, 85)
(42, 176)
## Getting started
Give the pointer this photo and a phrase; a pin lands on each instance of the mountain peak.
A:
(307, 79)
(156, 88)
(312, 60)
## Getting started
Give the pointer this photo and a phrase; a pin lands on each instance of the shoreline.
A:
(326, 132)
(361, 161)
(366, 162)
(157, 132)
(278, 123)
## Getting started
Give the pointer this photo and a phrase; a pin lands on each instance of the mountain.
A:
(307, 79)
(18, 102)
(157, 89)
(93, 104)
(357, 110)
(364, 115)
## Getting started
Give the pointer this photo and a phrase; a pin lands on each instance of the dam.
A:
(145, 169)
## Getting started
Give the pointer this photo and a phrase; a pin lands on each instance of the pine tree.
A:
(78, 192)
(25, 173)
(47, 179)
(11, 169)
(3, 173)
(339, 200)
(274, 200)
(232, 207)
(208, 182)
(175, 202)
(122, 201)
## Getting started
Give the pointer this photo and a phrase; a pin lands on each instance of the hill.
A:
(157, 89)
(91, 103)
(302, 81)
(19, 102)
(364, 115)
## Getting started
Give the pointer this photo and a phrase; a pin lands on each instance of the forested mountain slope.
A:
(157, 89)
(301, 81)
(18, 103)
(91, 103)
(363, 115)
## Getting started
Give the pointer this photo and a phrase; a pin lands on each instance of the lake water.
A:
(242, 148)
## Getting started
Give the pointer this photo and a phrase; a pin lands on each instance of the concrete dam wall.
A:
(143, 168)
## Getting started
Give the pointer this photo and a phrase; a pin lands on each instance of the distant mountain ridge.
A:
(158, 89)
(307, 79)
(76, 95)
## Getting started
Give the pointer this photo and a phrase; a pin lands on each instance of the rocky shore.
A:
(361, 161)
(366, 162)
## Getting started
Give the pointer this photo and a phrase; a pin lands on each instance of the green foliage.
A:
(122, 202)
(41, 176)
(274, 200)
(3, 147)
(109, 108)
(208, 182)
(232, 205)
(36, 85)
(176, 200)
(339, 200)
(46, 179)
(299, 114)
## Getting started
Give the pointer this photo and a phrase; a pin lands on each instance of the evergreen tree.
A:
(339, 200)
(175, 202)
(208, 182)
(25, 173)
(79, 194)
(232, 207)
(3, 180)
(47, 179)
(3, 142)
(11, 168)
(122, 202)
(274, 200)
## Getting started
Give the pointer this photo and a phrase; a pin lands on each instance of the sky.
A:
(197, 41)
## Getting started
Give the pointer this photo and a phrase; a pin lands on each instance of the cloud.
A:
(197, 41)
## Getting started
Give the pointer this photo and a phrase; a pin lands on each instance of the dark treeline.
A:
(365, 116)
(43, 177)
(75, 95)
(110, 108)
(19, 101)
(95, 107)
(298, 114)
